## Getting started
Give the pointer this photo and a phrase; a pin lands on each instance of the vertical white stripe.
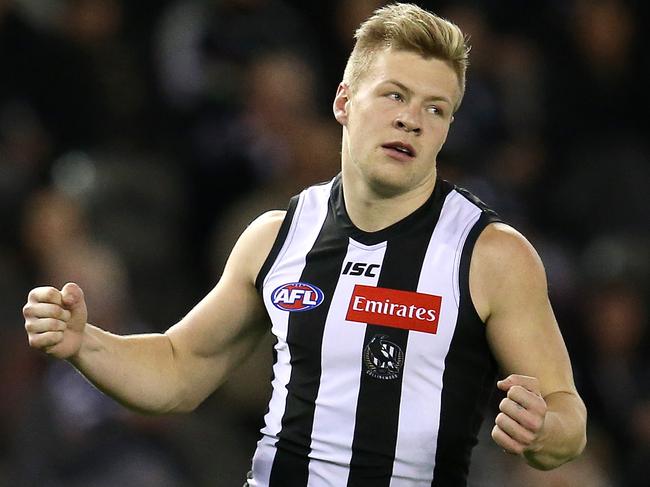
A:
(308, 219)
(336, 403)
(425, 356)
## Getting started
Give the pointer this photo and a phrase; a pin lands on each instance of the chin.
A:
(388, 185)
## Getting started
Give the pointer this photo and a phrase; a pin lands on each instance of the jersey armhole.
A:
(486, 218)
(277, 244)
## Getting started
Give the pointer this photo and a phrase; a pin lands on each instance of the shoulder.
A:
(262, 231)
(268, 223)
(504, 265)
(255, 243)
(501, 245)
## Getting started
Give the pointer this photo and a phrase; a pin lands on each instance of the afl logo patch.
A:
(383, 359)
(297, 296)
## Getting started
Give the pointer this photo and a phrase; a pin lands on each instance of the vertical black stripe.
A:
(377, 416)
(468, 380)
(305, 337)
(277, 244)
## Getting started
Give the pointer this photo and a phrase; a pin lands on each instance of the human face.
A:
(395, 122)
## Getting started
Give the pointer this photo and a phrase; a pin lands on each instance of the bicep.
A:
(221, 327)
(522, 330)
(227, 324)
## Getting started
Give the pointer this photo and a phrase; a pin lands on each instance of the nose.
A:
(408, 123)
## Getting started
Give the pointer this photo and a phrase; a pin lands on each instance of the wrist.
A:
(88, 343)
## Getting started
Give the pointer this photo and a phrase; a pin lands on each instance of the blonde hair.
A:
(407, 27)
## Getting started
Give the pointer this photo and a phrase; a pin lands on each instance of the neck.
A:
(372, 211)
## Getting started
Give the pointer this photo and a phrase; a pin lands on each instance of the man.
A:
(393, 296)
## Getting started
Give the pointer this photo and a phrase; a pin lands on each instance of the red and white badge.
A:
(391, 307)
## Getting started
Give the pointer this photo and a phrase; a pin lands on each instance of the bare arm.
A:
(542, 418)
(162, 372)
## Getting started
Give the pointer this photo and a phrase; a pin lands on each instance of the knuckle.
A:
(59, 313)
(65, 314)
(532, 423)
(53, 324)
(44, 294)
(51, 294)
(28, 310)
(543, 408)
(537, 424)
(527, 437)
(516, 389)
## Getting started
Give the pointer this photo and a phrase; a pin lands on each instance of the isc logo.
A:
(360, 268)
(297, 296)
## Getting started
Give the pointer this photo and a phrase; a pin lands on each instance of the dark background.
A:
(138, 139)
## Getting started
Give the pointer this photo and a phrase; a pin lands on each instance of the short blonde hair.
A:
(407, 27)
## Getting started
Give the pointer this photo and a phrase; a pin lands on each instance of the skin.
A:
(414, 98)
(403, 98)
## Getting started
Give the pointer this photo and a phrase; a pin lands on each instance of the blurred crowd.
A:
(138, 139)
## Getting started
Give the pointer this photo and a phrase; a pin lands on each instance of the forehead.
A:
(426, 76)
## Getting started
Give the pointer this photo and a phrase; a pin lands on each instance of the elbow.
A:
(188, 405)
(583, 443)
(574, 442)
(182, 409)
(182, 405)
(581, 436)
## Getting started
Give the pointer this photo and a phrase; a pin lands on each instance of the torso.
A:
(382, 368)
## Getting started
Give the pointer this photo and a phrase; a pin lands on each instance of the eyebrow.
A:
(408, 90)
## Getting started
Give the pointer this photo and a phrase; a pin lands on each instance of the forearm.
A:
(136, 370)
(564, 432)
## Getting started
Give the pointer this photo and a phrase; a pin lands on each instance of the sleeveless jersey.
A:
(381, 366)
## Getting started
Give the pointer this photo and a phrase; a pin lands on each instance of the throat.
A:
(372, 212)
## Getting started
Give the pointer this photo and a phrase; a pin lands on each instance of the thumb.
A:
(73, 297)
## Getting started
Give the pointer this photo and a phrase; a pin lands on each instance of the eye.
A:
(434, 109)
(394, 95)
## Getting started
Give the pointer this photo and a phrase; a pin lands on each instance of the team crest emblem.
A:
(383, 359)
(297, 296)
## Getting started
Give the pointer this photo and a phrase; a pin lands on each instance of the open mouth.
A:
(400, 148)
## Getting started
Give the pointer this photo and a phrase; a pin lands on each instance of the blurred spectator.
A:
(203, 52)
(492, 467)
(83, 437)
(332, 25)
(282, 136)
(480, 122)
(586, 470)
(116, 106)
(204, 47)
(614, 373)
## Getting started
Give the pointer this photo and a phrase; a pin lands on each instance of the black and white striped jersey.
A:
(382, 370)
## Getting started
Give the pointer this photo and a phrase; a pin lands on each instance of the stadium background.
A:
(137, 139)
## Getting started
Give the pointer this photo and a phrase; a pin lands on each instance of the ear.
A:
(340, 106)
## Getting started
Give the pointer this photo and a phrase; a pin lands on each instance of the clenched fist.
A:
(55, 320)
(521, 420)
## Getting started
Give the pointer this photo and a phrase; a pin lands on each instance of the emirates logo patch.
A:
(391, 307)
